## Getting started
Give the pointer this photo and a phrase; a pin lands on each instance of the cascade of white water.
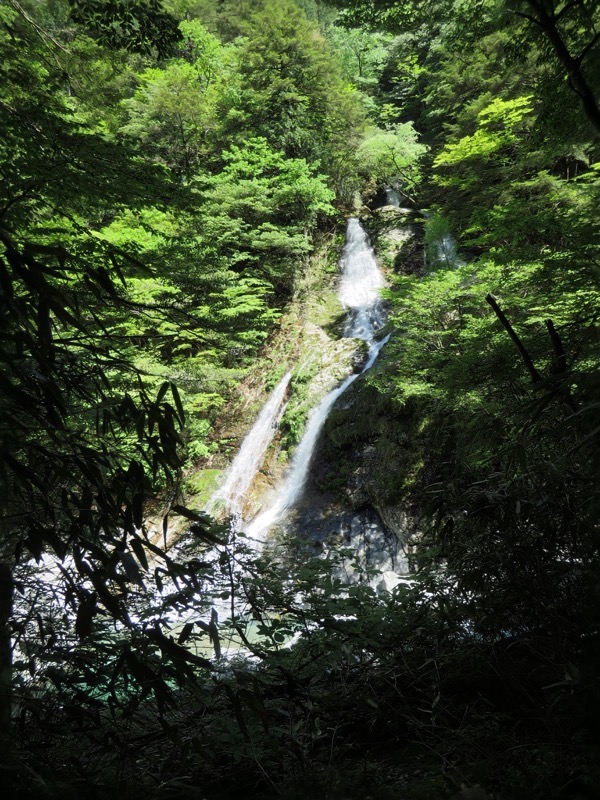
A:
(447, 252)
(442, 250)
(358, 291)
(360, 285)
(298, 472)
(392, 198)
(230, 497)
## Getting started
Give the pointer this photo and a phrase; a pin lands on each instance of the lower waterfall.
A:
(231, 496)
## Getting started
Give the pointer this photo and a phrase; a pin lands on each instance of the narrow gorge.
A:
(295, 504)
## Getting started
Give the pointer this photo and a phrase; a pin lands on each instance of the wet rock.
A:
(373, 548)
(321, 519)
(399, 522)
(398, 238)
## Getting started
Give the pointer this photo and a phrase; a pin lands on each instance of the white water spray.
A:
(360, 285)
(447, 252)
(392, 198)
(232, 494)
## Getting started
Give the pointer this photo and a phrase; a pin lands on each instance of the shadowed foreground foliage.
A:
(162, 188)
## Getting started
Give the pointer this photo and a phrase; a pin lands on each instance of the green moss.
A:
(294, 418)
(201, 485)
(326, 312)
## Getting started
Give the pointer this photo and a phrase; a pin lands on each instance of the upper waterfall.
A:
(360, 284)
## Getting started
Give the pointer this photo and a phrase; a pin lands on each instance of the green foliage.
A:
(137, 252)
(336, 671)
(137, 26)
(291, 89)
(260, 211)
(392, 156)
(173, 112)
(496, 132)
(484, 400)
(155, 219)
(87, 436)
(363, 56)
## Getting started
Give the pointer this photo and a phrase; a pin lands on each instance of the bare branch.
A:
(527, 360)
(43, 34)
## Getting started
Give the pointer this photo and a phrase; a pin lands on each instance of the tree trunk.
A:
(6, 598)
(527, 360)
(547, 23)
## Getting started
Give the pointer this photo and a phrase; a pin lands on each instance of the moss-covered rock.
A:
(398, 238)
(200, 485)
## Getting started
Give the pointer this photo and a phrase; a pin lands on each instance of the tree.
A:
(137, 26)
(290, 91)
(173, 111)
(362, 54)
(260, 212)
(391, 157)
(571, 30)
(86, 439)
(568, 29)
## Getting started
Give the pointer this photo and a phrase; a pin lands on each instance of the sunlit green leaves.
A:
(497, 129)
(138, 26)
(291, 89)
(171, 116)
(392, 156)
(260, 210)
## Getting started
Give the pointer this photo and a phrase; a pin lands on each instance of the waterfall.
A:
(447, 252)
(231, 496)
(392, 198)
(441, 249)
(360, 283)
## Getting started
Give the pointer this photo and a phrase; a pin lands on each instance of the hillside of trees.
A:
(171, 173)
